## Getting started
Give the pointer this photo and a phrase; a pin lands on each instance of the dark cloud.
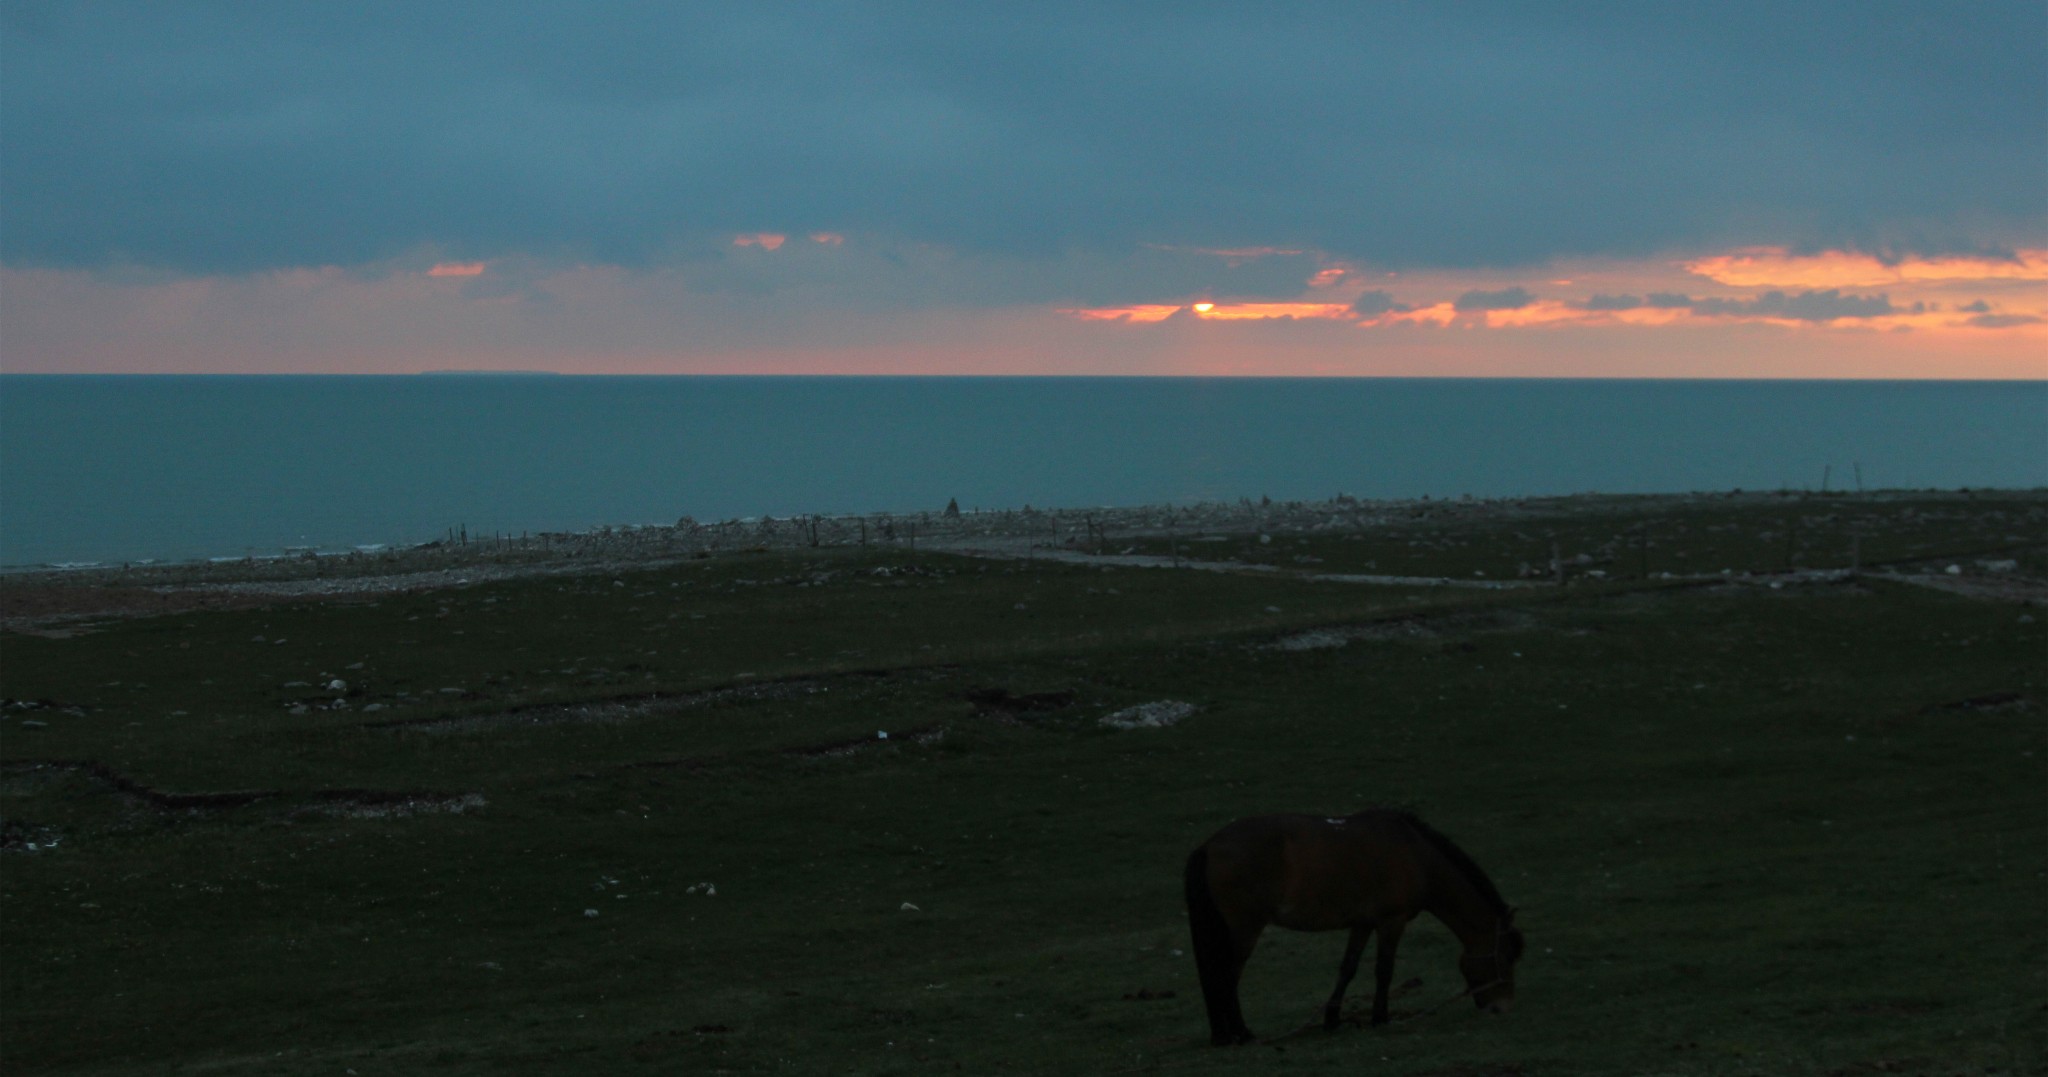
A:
(1504, 299)
(1669, 299)
(1373, 304)
(1978, 307)
(1804, 306)
(233, 137)
(2004, 321)
(1612, 302)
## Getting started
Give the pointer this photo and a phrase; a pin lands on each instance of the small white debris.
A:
(1153, 715)
(1018, 606)
(1954, 570)
(337, 685)
(881, 734)
(908, 907)
(592, 913)
(1272, 609)
(1312, 641)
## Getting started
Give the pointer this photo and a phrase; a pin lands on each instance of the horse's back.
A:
(1315, 873)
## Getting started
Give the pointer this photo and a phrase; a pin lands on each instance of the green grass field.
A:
(1794, 830)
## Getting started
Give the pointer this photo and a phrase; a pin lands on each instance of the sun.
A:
(1204, 308)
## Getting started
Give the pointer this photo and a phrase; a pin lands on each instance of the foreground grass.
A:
(1750, 830)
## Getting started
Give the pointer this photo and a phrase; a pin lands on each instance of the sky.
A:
(1629, 189)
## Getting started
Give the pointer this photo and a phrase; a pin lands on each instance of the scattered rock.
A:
(1155, 715)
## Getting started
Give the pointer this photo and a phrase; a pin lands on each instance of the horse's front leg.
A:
(1345, 972)
(1383, 968)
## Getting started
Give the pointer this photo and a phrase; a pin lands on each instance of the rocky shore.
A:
(40, 597)
(1087, 530)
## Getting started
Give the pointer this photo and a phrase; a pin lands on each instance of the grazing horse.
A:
(1369, 872)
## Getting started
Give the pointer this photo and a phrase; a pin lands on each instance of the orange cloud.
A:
(767, 241)
(1760, 267)
(1212, 312)
(456, 269)
(1151, 312)
(1232, 312)
(827, 239)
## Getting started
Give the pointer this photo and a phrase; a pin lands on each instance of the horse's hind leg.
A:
(1245, 936)
(1383, 968)
(1356, 946)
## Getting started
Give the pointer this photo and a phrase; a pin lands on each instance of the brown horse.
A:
(1369, 872)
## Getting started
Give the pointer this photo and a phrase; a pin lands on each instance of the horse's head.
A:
(1490, 974)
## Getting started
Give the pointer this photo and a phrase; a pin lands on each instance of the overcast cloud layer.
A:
(245, 137)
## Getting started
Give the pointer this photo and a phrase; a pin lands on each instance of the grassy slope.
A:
(1745, 833)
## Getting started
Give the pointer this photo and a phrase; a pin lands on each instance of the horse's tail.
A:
(1215, 951)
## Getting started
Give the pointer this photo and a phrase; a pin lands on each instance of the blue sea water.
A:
(96, 468)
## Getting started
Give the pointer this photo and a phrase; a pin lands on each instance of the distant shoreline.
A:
(1016, 530)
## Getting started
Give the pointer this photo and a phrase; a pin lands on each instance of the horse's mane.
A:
(1459, 859)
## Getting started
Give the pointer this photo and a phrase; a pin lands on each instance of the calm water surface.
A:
(126, 468)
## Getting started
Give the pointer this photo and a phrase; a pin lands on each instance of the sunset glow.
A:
(1508, 190)
(1804, 294)
(1775, 268)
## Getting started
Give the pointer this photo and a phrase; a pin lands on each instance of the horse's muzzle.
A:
(1500, 1006)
